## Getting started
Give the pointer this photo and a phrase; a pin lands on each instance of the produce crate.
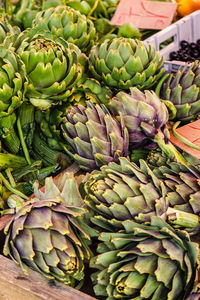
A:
(188, 28)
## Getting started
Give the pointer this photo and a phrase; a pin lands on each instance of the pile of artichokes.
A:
(92, 100)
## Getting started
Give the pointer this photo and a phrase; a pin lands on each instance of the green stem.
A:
(8, 7)
(182, 218)
(10, 177)
(159, 85)
(11, 141)
(169, 149)
(182, 139)
(24, 147)
(10, 188)
(93, 8)
(26, 153)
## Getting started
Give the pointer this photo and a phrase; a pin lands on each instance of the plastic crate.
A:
(188, 28)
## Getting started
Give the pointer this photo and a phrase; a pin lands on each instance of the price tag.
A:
(144, 14)
(191, 132)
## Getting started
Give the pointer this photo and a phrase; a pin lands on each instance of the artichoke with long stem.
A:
(146, 118)
(125, 191)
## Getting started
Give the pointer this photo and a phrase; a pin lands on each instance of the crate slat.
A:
(14, 285)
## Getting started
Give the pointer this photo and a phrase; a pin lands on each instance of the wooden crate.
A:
(15, 285)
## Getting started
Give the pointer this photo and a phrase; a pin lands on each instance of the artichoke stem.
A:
(93, 8)
(169, 149)
(11, 189)
(182, 218)
(11, 141)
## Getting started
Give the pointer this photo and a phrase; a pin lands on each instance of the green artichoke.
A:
(94, 135)
(123, 63)
(13, 86)
(53, 69)
(146, 117)
(13, 82)
(46, 233)
(124, 191)
(145, 262)
(93, 8)
(65, 22)
(181, 92)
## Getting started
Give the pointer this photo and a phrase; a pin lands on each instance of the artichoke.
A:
(46, 233)
(13, 86)
(94, 135)
(123, 63)
(145, 262)
(69, 24)
(53, 69)
(181, 92)
(124, 191)
(13, 82)
(146, 117)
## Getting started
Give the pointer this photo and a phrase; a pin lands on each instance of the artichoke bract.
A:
(145, 262)
(53, 69)
(69, 24)
(94, 135)
(125, 191)
(146, 117)
(46, 234)
(123, 63)
(181, 92)
(6, 28)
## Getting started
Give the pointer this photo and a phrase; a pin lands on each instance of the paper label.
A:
(191, 132)
(144, 14)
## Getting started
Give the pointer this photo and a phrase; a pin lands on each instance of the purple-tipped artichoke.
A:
(47, 235)
(146, 117)
(94, 135)
(145, 262)
(124, 191)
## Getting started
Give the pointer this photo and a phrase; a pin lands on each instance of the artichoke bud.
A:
(181, 90)
(54, 68)
(123, 63)
(132, 262)
(64, 21)
(51, 222)
(94, 135)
